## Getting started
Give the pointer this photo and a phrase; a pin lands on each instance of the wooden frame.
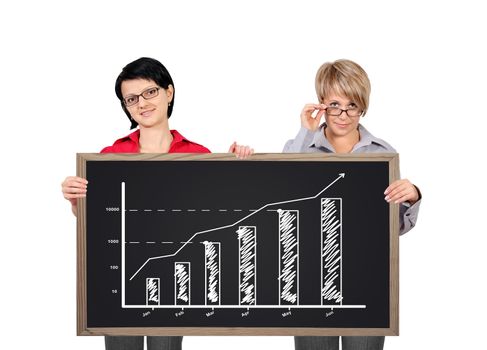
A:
(82, 317)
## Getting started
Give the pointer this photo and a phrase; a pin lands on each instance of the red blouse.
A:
(179, 144)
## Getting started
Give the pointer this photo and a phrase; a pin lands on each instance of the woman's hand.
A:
(311, 120)
(401, 191)
(241, 152)
(74, 187)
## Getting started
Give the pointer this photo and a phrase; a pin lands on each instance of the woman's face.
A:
(151, 108)
(342, 124)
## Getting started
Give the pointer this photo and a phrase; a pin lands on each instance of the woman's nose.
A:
(142, 102)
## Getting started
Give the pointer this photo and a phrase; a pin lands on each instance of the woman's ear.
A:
(169, 93)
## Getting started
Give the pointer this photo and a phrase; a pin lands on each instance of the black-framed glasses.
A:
(351, 112)
(147, 94)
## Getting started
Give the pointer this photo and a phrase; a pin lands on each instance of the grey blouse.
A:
(311, 142)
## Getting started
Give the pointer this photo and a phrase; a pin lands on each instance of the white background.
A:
(242, 71)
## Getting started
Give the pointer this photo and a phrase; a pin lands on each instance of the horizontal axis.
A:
(244, 306)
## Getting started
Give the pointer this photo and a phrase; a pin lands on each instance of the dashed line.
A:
(150, 242)
(192, 210)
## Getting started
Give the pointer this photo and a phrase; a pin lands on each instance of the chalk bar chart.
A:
(258, 244)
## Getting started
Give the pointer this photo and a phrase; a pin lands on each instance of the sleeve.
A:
(408, 215)
(203, 149)
(107, 149)
(300, 142)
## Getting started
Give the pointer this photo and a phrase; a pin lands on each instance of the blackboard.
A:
(280, 244)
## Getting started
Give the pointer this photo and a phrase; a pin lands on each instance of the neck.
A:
(155, 139)
(345, 143)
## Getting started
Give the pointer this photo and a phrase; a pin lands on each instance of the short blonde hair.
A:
(343, 77)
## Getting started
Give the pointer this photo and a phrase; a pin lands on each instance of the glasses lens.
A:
(334, 111)
(150, 93)
(130, 100)
(353, 112)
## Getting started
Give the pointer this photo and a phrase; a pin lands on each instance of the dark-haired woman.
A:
(146, 92)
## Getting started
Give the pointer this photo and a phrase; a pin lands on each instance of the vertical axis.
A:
(122, 242)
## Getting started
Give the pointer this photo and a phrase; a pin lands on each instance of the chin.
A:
(342, 132)
(147, 123)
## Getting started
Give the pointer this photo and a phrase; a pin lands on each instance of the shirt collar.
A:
(366, 138)
(177, 137)
(134, 137)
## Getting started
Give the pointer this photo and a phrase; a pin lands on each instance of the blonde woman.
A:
(343, 90)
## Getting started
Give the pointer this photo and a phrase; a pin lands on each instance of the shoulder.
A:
(387, 146)
(126, 144)
(182, 144)
(377, 144)
(302, 142)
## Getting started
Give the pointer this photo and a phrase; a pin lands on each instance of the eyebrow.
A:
(348, 103)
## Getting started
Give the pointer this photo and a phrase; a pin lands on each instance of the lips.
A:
(146, 114)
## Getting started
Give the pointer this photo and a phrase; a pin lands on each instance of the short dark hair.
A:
(144, 68)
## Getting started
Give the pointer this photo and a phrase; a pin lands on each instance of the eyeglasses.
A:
(351, 112)
(146, 94)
